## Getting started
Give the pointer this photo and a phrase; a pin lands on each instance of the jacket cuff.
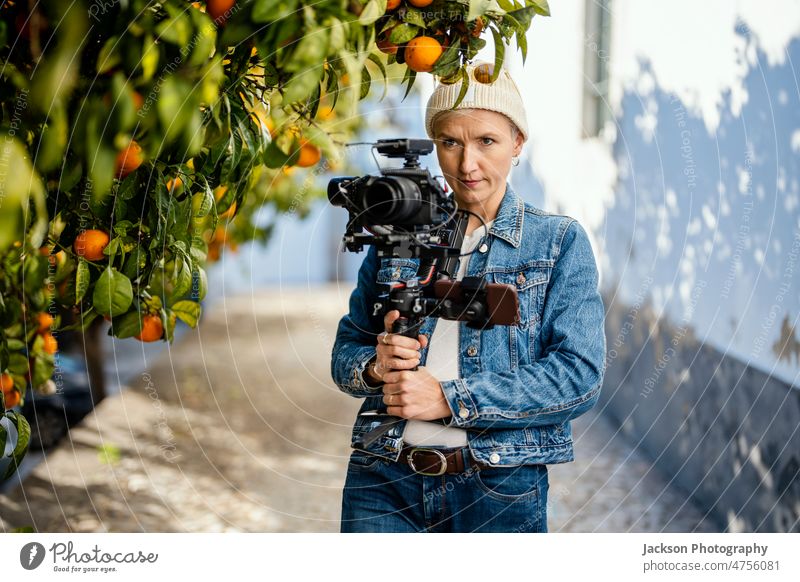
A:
(362, 359)
(461, 404)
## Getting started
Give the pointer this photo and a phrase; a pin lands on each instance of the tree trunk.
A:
(92, 348)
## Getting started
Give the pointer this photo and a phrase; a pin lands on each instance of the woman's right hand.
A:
(395, 351)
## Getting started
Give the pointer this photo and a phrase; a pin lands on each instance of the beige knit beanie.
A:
(502, 96)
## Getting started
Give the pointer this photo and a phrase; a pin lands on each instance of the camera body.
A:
(407, 199)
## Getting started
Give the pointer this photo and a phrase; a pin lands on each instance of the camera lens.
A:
(392, 200)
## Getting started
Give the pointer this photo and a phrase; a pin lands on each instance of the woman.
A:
(507, 394)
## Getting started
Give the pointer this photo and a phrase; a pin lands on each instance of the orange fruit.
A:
(217, 9)
(230, 211)
(128, 160)
(309, 154)
(220, 234)
(57, 259)
(12, 399)
(174, 184)
(152, 329)
(90, 244)
(483, 73)
(326, 113)
(213, 251)
(45, 321)
(422, 53)
(220, 191)
(392, 4)
(420, 3)
(138, 100)
(6, 382)
(50, 343)
(478, 28)
(385, 45)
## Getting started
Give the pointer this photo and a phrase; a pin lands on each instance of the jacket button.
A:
(520, 278)
(494, 458)
(483, 248)
(463, 412)
(472, 351)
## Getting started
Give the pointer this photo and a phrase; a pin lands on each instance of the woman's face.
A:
(475, 147)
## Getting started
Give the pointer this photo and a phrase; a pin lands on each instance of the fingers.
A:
(396, 339)
(399, 341)
(392, 378)
(389, 319)
(399, 364)
(423, 340)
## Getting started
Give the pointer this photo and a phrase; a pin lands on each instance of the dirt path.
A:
(266, 449)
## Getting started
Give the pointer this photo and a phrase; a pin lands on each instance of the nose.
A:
(468, 162)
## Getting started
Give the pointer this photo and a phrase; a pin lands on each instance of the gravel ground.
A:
(266, 448)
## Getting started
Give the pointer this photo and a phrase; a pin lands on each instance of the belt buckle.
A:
(442, 460)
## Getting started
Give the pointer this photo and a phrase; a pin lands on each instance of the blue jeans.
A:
(384, 496)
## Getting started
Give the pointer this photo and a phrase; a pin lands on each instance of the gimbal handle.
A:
(407, 325)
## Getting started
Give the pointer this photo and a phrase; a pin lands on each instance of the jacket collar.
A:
(508, 222)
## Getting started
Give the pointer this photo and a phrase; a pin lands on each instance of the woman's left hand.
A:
(414, 394)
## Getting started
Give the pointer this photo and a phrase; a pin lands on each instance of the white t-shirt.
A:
(442, 364)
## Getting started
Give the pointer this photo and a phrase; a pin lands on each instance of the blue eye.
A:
(491, 141)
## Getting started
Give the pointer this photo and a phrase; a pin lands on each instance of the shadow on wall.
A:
(703, 301)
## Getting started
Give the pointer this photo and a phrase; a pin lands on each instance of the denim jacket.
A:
(519, 386)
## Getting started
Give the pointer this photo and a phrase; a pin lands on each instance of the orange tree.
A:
(140, 138)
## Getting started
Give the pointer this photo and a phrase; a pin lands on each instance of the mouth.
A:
(471, 183)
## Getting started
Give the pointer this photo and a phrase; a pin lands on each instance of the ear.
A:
(518, 143)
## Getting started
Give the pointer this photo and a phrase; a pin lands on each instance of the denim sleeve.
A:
(356, 335)
(565, 382)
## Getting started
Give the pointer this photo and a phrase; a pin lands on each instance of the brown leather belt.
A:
(432, 461)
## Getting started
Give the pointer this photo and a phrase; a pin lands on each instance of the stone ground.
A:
(238, 427)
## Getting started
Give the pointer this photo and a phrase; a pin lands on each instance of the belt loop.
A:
(467, 458)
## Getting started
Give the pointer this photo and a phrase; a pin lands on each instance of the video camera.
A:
(407, 213)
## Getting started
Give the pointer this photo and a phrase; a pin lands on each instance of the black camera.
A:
(402, 200)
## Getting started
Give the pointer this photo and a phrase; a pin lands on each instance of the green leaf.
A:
(150, 54)
(464, 86)
(22, 437)
(113, 293)
(366, 83)
(499, 55)
(53, 140)
(183, 278)
(302, 84)
(126, 326)
(175, 30)
(18, 364)
(43, 367)
(270, 10)
(199, 284)
(402, 33)
(540, 6)
(415, 17)
(82, 278)
(188, 312)
(108, 58)
(379, 63)
(481, 7)
(410, 76)
(373, 10)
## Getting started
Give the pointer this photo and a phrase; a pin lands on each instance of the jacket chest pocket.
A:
(530, 283)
